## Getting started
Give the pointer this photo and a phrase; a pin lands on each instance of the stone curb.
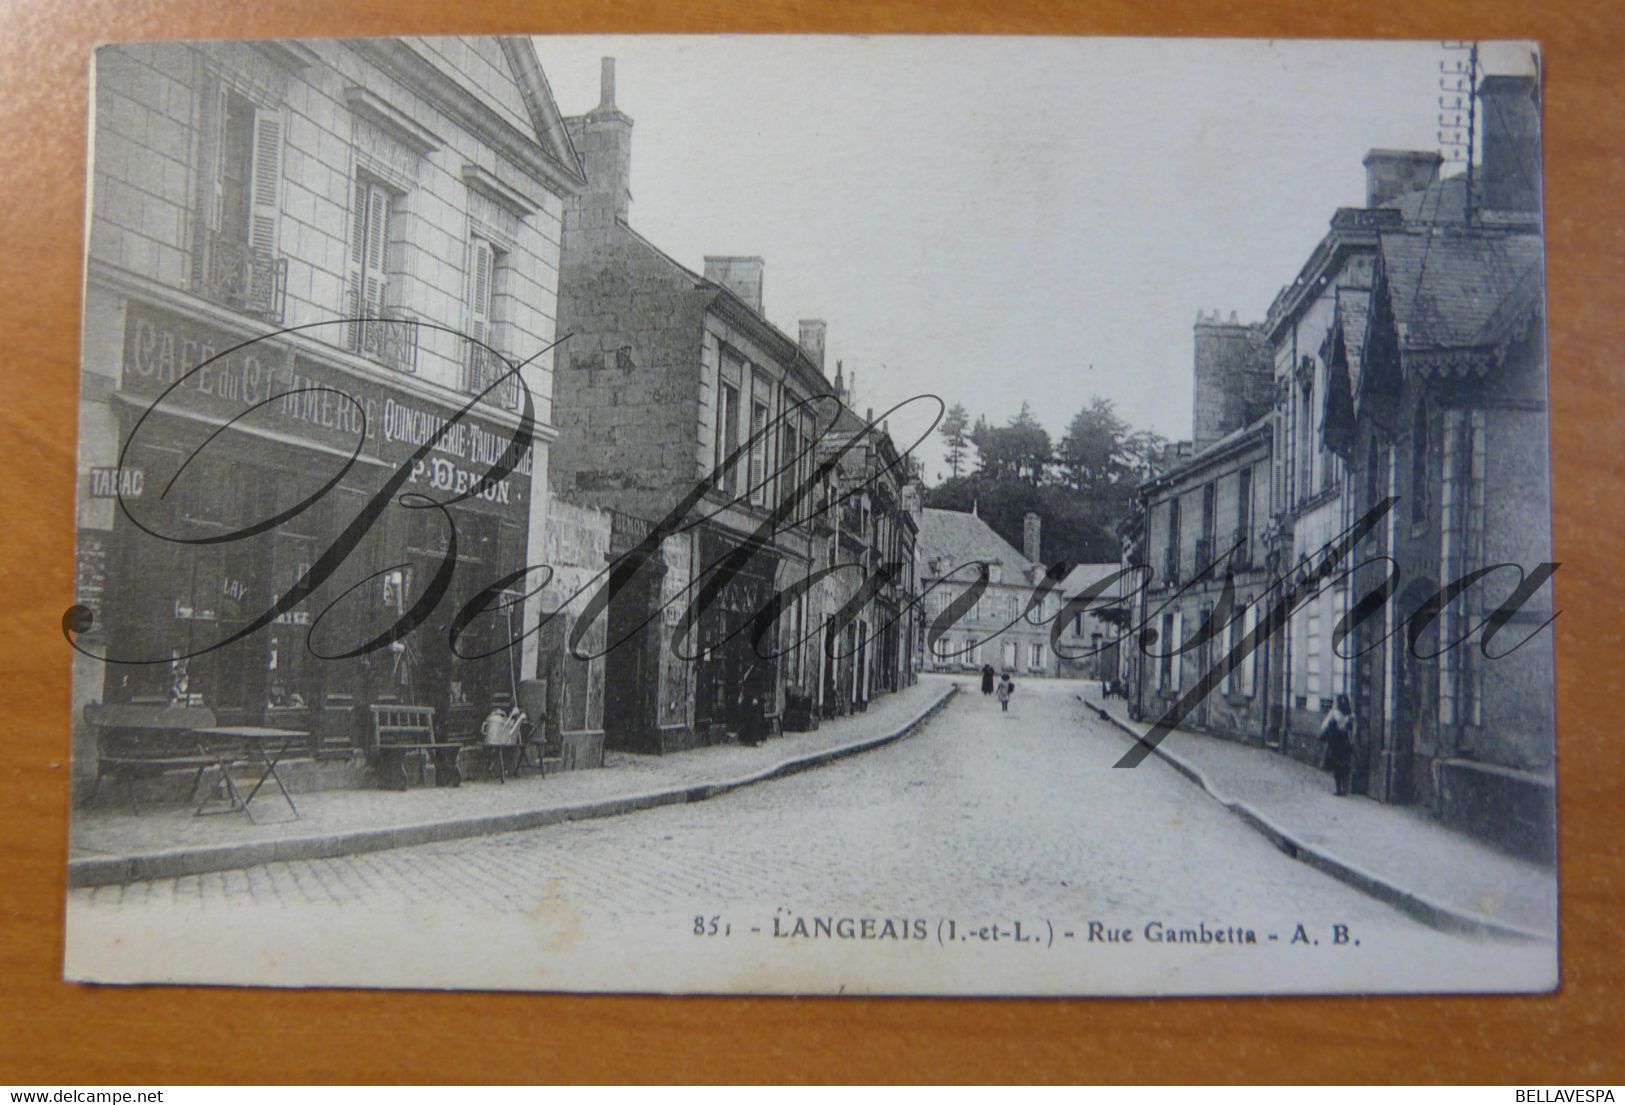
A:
(1418, 906)
(110, 870)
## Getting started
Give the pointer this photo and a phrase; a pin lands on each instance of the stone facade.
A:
(1410, 380)
(677, 400)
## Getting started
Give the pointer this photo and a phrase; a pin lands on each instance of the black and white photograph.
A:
(981, 516)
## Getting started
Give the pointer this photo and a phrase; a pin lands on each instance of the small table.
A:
(270, 744)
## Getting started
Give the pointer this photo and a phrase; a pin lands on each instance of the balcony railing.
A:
(391, 340)
(482, 368)
(230, 272)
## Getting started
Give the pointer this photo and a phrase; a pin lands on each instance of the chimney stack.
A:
(812, 340)
(1510, 173)
(1391, 173)
(603, 139)
(740, 275)
(1031, 535)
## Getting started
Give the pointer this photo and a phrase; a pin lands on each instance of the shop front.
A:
(735, 685)
(258, 565)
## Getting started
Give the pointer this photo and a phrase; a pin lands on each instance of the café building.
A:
(303, 459)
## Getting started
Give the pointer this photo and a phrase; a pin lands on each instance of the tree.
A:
(953, 427)
(1092, 454)
(1081, 489)
(1030, 447)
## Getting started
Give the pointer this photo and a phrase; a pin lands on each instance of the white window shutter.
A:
(1177, 641)
(265, 175)
(358, 255)
(480, 280)
(1250, 665)
(1229, 647)
(758, 452)
(377, 248)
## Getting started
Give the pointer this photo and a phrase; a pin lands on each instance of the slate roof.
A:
(1461, 293)
(1085, 574)
(1353, 308)
(963, 538)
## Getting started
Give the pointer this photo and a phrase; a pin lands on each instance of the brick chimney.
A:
(1390, 173)
(1031, 537)
(603, 138)
(811, 340)
(740, 275)
(1510, 109)
(1234, 378)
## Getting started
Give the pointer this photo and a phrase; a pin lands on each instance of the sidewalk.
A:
(108, 844)
(1396, 853)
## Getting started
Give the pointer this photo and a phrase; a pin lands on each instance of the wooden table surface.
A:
(60, 1034)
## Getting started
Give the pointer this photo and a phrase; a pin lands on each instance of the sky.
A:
(1000, 220)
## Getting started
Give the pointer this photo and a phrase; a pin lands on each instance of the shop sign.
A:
(264, 388)
(117, 483)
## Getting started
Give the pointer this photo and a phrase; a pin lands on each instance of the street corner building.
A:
(672, 383)
(1405, 364)
(310, 268)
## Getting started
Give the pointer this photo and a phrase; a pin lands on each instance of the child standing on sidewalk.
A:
(1006, 689)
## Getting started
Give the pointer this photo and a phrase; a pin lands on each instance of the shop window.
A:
(234, 257)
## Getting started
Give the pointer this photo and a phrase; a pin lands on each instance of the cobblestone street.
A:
(979, 815)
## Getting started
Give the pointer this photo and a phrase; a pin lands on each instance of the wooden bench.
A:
(143, 741)
(399, 732)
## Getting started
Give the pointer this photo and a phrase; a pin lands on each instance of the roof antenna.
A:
(1458, 110)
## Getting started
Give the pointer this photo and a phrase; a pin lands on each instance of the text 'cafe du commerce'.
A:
(160, 592)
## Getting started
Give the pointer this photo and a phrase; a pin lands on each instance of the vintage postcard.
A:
(815, 515)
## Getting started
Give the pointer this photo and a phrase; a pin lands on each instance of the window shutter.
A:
(480, 281)
(1249, 665)
(1229, 647)
(758, 453)
(377, 247)
(1177, 640)
(358, 254)
(266, 194)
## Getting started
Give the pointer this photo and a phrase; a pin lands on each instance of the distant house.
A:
(998, 629)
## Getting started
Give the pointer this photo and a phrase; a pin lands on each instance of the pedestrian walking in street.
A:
(1337, 733)
(987, 678)
(1006, 689)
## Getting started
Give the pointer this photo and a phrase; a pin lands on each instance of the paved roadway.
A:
(979, 814)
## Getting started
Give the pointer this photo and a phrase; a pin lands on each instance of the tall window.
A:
(1171, 568)
(1244, 516)
(758, 454)
(486, 264)
(1419, 464)
(235, 259)
(727, 434)
(789, 465)
(367, 292)
(1205, 550)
